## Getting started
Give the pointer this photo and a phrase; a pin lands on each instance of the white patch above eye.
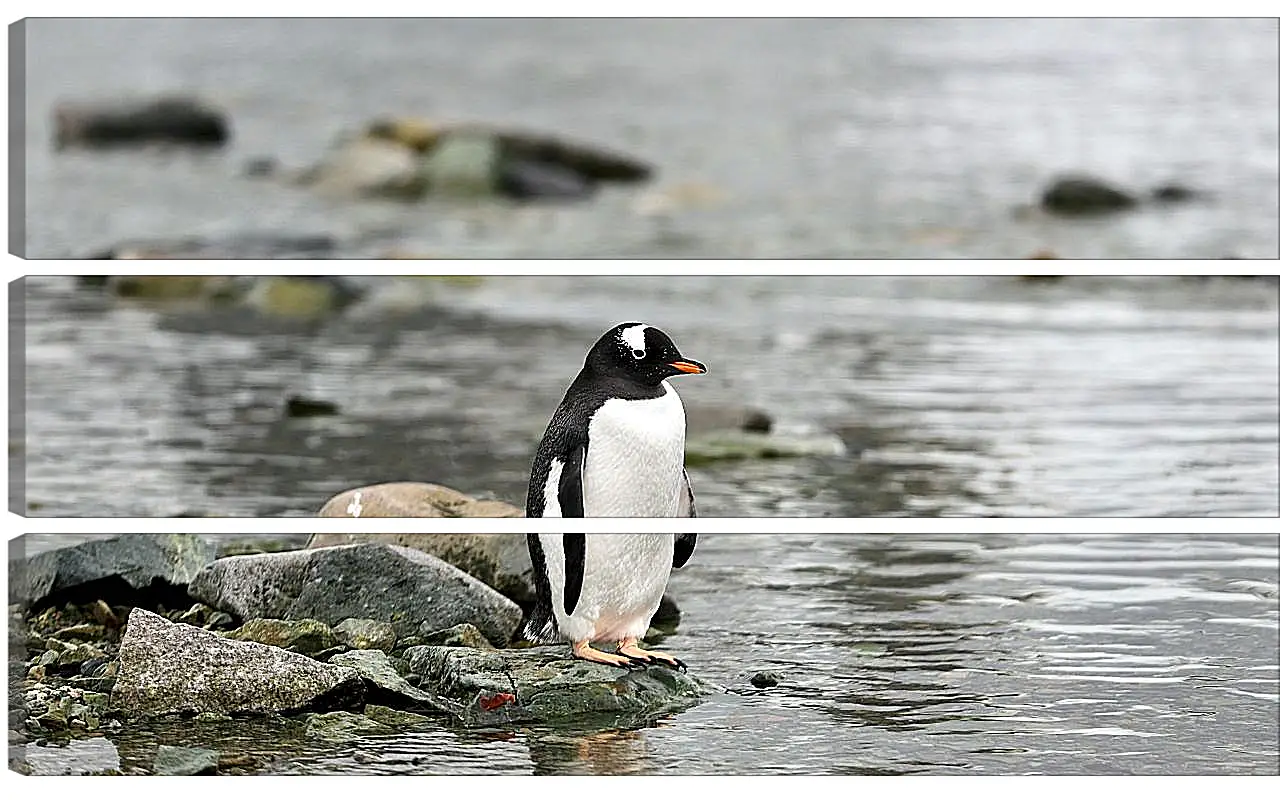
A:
(638, 355)
(633, 337)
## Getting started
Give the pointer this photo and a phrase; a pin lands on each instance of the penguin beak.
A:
(691, 367)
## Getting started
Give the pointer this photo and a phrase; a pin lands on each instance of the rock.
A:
(84, 632)
(297, 406)
(247, 245)
(533, 180)
(236, 761)
(394, 717)
(703, 420)
(585, 162)
(69, 660)
(464, 635)
(1084, 194)
(545, 684)
(103, 615)
(306, 636)
(499, 560)
(412, 500)
(366, 634)
(126, 565)
(368, 167)
(1170, 193)
(736, 446)
(404, 587)
(170, 120)
(303, 297)
(464, 164)
(384, 684)
(766, 680)
(342, 726)
(168, 668)
(185, 761)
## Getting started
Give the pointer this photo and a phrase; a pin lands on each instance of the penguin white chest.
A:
(635, 458)
(623, 579)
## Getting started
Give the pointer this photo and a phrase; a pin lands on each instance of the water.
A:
(957, 396)
(773, 138)
(942, 654)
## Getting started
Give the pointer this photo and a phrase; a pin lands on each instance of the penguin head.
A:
(639, 353)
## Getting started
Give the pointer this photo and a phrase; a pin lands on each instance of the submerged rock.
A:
(306, 636)
(406, 499)
(168, 668)
(739, 445)
(398, 585)
(113, 569)
(185, 761)
(707, 419)
(342, 726)
(168, 120)
(546, 684)
(1084, 194)
(500, 560)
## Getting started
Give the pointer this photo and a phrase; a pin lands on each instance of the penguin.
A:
(613, 448)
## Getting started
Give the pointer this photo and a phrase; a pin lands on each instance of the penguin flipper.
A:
(687, 507)
(575, 561)
(685, 542)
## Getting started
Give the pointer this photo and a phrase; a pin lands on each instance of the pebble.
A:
(766, 680)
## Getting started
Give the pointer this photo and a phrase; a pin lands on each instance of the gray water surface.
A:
(955, 396)
(941, 654)
(779, 138)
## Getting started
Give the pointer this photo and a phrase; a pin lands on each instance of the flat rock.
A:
(384, 684)
(121, 564)
(306, 636)
(398, 585)
(546, 684)
(702, 419)
(728, 445)
(168, 668)
(185, 761)
(366, 634)
(394, 716)
(500, 560)
(464, 635)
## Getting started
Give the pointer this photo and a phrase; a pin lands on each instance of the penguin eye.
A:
(638, 355)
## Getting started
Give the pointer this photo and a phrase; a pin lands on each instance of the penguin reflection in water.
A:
(613, 448)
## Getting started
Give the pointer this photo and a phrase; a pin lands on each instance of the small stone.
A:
(185, 761)
(306, 636)
(236, 761)
(463, 635)
(85, 632)
(366, 634)
(48, 658)
(103, 615)
(36, 673)
(197, 615)
(325, 655)
(220, 620)
(766, 680)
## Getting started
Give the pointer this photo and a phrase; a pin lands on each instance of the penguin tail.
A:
(541, 630)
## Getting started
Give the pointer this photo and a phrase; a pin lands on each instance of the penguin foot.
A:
(586, 652)
(631, 649)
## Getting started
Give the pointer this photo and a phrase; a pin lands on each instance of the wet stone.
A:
(185, 761)
(366, 634)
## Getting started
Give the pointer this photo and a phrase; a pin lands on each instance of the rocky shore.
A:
(348, 637)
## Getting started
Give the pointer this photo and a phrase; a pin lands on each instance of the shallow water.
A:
(773, 138)
(955, 396)
(978, 654)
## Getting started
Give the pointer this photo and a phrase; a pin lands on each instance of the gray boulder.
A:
(546, 684)
(404, 587)
(169, 668)
(410, 499)
(500, 560)
(132, 561)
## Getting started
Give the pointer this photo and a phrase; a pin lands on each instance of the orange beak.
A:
(691, 367)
